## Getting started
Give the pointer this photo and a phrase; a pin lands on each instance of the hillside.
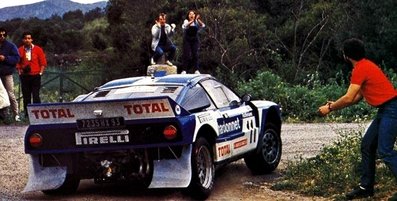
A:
(46, 9)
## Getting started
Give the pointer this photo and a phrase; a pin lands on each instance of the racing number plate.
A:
(100, 123)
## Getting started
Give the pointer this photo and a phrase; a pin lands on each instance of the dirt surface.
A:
(233, 182)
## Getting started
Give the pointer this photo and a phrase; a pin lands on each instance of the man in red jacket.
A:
(370, 83)
(30, 69)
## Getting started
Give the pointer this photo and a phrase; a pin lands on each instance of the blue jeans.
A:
(160, 50)
(379, 138)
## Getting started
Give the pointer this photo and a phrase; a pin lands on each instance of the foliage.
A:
(298, 41)
(300, 102)
(334, 171)
(291, 38)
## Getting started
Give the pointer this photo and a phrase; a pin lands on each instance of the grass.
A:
(334, 171)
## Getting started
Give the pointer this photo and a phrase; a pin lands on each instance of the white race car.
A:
(159, 132)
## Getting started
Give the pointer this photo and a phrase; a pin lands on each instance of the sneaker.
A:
(196, 72)
(359, 192)
(183, 72)
(169, 63)
(17, 118)
(152, 61)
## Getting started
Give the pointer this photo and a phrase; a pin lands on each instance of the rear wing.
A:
(129, 109)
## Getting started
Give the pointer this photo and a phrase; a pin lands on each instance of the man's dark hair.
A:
(26, 33)
(354, 49)
(2, 29)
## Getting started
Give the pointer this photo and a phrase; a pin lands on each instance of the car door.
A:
(237, 132)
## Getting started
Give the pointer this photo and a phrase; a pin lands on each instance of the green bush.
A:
(301, 102)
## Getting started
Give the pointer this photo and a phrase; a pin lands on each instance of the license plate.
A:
(100, 123)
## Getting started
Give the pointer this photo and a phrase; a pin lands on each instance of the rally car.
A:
(159, 132)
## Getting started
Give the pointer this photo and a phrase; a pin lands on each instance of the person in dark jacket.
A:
(9, 57)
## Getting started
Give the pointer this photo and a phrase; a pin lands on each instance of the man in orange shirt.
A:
(30, 69)
(369, 82)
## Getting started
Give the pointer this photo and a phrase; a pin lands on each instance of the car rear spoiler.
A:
(129, 109)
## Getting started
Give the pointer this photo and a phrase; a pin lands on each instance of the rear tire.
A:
(268, 154)
(203, 170)
(69, 186)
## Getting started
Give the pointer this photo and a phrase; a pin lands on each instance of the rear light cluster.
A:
(170, 132)
(35, 140)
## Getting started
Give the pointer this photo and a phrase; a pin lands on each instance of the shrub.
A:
(301, 102)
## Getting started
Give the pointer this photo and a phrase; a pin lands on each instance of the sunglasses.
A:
(3, 35)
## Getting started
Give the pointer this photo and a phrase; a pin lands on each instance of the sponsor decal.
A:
(247, 114)
(205, 117)
(230, 126)
(240, 144)
(70, 113)
(223, 150)
(102, 137)
(52, 113)
(146, 108)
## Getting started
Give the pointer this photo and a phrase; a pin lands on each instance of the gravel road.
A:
(233, 182)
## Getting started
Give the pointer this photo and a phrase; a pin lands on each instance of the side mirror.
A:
(234, 103)
(247, 98)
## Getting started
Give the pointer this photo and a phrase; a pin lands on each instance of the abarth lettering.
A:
(53, 113)
(205, 118)
(146, 108)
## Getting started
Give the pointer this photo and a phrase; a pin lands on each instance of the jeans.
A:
(190, 54)
(380, 138)
(161, 49)
(8, 82)
(30, 87)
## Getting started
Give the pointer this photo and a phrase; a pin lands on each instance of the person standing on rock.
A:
(191, 42)
(369, 82)
(161, 40)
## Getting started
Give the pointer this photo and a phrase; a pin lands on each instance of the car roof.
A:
(173, 79)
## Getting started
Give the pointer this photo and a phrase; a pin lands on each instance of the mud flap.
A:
(174, 173)
(44, 178)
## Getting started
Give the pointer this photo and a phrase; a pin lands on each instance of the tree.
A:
(130, 34)
(304, 36)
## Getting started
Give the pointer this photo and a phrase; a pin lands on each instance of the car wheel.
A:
(203, 170)
(68, 187)
(268, 154)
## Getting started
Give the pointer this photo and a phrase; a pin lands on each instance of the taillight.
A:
(170, 132)
(35, 140)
